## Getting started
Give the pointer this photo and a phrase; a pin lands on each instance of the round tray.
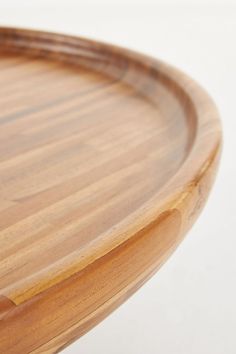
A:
(106, 159)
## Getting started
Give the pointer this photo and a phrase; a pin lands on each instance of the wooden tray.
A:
(106, 159)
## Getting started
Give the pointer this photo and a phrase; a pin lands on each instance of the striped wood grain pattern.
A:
(106, 159)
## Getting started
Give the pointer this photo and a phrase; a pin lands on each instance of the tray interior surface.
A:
(80, 151)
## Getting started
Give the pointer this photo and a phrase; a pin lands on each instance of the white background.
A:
(189, 307)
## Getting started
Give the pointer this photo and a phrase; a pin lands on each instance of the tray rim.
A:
(184, 180)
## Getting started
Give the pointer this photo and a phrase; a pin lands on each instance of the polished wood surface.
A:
(106, 160)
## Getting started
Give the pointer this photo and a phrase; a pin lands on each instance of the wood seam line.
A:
(6, 305)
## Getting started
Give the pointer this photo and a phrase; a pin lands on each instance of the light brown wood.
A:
(106, 159)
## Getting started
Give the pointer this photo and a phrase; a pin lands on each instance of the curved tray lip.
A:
(204, 150)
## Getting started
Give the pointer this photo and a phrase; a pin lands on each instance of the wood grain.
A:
(106, 160)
